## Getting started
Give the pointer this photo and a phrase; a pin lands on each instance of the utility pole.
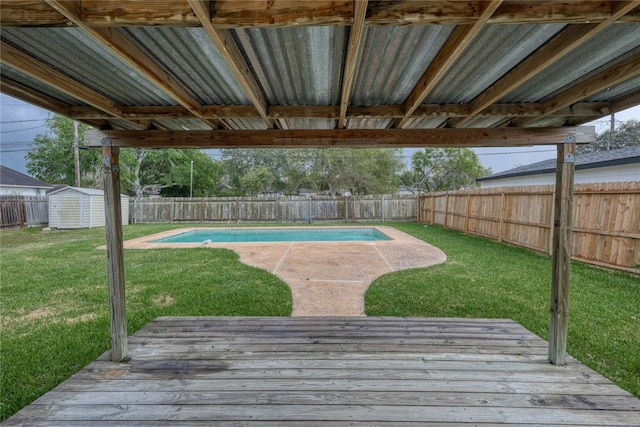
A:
(76, 153)
(191, 181)
(613, 129)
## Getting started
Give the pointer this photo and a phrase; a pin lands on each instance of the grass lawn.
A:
(486, 279)
(54, 312)
(54, 299)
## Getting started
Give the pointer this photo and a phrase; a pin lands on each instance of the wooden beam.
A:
(283, 13)
(619, 73)
(115, 251)
(444, 60)
(626, 102)
(354, 51)
(561, 254)
(28, 65)
(580, 111)
(563, 43)
(117, 44)
(229, 51)
(356, 138)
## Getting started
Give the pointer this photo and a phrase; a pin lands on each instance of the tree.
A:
(51, 160)
(627, 135)
(257, 181)
(441, 169)
(51, 156)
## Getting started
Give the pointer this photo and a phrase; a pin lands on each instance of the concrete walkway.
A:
(329, 278)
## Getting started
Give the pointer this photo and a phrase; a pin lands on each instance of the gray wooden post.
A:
(115, 258)
(561, 257)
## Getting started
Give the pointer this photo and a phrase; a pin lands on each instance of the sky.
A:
(20, 122)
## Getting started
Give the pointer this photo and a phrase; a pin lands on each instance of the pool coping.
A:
(147, 242)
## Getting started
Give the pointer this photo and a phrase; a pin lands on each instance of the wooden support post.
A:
(115, 253)
(558, 325)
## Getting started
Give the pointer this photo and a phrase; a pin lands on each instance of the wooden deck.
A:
(244, 371)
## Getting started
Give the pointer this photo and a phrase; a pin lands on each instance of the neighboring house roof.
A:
(622, 156)
(12, 178)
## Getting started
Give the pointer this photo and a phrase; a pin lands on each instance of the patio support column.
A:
(115, 255)
(561, 256)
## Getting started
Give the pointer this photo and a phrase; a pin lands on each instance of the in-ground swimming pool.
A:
(276, 235)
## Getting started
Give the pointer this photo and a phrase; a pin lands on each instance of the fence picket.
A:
(606, 219)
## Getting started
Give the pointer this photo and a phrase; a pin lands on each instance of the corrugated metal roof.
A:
(250, 124)
(368, 123)
(496, 50)
(79, 56)
(25, 80)
(310, 123)
(425, 122)
(182, 124)
(296, 66)
(579, 64)
(189, 56)
(614, 93)
(393, 61)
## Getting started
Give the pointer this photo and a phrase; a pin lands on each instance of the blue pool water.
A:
(276, 235)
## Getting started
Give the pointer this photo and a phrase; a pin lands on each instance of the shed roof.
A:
(365, 66)
(621, 156)
(13, 178)
(81, 190)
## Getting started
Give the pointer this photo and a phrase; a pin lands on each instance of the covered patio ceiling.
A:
(383, 70)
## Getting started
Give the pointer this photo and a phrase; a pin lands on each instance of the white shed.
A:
(75, 207)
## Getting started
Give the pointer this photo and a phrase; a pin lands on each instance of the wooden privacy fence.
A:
(606, 219)
(18, 211)
(274, 209)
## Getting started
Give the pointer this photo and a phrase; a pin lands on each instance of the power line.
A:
(21, 121)
(20, 130)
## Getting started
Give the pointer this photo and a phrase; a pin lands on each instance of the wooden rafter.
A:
(450, 52)
(600, 82)
(26, 64)
(580, 111)
(354, 50)
(563, 43)
(248, 14)
(323, 138)
(129, 53)
(231, 54)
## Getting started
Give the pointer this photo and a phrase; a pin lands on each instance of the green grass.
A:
(54, 299)
(54, 312)
(482, 278)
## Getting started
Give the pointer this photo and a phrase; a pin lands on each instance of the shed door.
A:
(70, 211)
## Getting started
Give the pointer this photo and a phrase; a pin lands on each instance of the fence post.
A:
(446, 210)
(501, 223)
(466, 221)
(558, 324)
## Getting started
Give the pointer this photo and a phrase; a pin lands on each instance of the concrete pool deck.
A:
(326, 278)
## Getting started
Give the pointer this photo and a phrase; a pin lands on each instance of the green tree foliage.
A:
(441, 169)
(363, 171)
(51, 160)
(51, 156)
(257, 181)
(627, 135)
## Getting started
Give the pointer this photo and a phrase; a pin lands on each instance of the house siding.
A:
(619, 173)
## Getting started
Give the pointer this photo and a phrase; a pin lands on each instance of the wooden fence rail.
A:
(606, 219)
(274, 209)
(19, 211)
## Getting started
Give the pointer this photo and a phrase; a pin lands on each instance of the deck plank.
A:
(248, 371)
